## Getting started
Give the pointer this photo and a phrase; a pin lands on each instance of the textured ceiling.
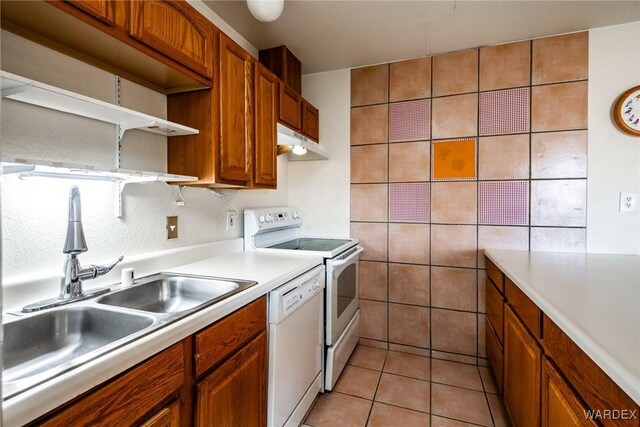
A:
(330, 35)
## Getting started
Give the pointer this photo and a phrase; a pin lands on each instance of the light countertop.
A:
(593, 298)
(269, 270)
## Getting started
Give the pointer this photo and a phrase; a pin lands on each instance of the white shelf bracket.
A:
(119, 203)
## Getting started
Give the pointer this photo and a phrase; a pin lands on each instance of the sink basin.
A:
(168, 293)
(53, 339)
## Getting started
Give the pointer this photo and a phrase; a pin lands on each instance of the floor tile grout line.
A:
(459, 420)
(486, 398)
(373, 399)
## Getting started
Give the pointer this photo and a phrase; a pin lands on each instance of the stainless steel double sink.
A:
(41, 346)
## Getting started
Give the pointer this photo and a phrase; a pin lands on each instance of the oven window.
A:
(346, 287)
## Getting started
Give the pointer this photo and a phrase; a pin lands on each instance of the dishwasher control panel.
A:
(289, 297)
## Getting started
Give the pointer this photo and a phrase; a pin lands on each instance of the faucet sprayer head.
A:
(75, 243)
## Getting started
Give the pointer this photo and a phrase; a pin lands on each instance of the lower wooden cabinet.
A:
(522, 364)
(169, 416)
(234, 393)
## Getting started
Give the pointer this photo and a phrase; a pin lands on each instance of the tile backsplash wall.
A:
(452, 154)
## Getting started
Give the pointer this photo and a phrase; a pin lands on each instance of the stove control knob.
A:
(269, 217)
(295, 215)
(261, 219)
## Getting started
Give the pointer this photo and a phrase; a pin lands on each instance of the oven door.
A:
(341, 291)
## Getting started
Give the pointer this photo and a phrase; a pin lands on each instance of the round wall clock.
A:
(627, 111)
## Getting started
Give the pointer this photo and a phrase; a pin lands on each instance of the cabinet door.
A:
(236, 106)
(100, 9)
(175, 29)
(560, 405)
(266, 113)
(169, 416)
(310, 121)
(290, 107)
(522, 365)
(235, 393)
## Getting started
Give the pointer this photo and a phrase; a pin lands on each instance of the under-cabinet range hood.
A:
(297, 146)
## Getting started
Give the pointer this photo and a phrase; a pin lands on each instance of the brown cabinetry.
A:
(169, 416)
(290, 108)
(104, 10)
(266, 89)
(310, 121)
(283, 64)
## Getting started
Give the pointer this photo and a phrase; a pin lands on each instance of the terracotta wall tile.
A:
(454, 160)
(369, 163)
(454, 245)
(454, 331)
(373, 280)
(559, 239)
(559, 203)
(454, 116)
(370, 85)
(561, 58)
(373, 238)
(409, 325)
(454, 288)
(373, 320)
(409, 120)
(505, 65)
(409, 202)
(454, 202)
(369, 202)
(370, 125)
(410, 79)
(559, 107)
(559, 155)
(504, 157)
(409, 161)
(455, 72)
(409, 284)
(496, 237)
(409, 243)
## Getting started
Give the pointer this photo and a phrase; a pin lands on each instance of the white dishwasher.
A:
(296, 344)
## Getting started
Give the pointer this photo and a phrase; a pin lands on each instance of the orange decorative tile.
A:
(369, 202)
(559, 203)
(369, 164)
(373, 280)
(454, 159)
(455, 72)
(454, 288)
(373, 320)
(454, 116)
(454, 202)
(550, 239)
(559, 155)
(559, 107)
(504, 157)
(505, 66)
(409, 161)
(454, 245)
(386, 415)
(370, 125)
(408, 365)
(409, 284)
(409, 243)
(370, 85)
(404, 392)
(410, 79)
(350, 410)
(561, 58)
(368, 357)
(454, 331)
(409, 325)
(373, 238)
(497, 237)
(462, 404)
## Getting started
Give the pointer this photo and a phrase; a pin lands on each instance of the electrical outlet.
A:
(172, 227)
(232, 218)
(628, 202)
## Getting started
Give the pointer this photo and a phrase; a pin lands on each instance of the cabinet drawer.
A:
(495, 355)
(525, 308)
(495, 309)
(494, 274)
(218, 341)
(592, 383)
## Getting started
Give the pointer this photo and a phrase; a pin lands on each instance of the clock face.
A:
(627, 111)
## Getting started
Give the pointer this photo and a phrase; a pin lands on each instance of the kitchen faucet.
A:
(74, 273)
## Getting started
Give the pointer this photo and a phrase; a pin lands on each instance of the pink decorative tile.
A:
(409, 202)
(504, 111)
(409, 121)
(505, 203)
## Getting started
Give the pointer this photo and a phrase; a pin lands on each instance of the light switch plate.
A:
(172, 227)
(628, 202)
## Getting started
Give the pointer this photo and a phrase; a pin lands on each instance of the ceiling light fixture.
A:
(266, 10)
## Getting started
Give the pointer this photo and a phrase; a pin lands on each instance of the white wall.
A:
(614, 157)
(34, 210)
(321, 188)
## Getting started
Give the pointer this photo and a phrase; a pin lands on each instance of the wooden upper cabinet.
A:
(175, 29)
(522, 365)
(236, 112)
(290, 108)
(283, 63)
(266, 118)
(104, 10)
(310, 121)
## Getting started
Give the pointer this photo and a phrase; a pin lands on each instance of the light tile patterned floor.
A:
(381, 388)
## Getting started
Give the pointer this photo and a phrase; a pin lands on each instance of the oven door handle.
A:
(340, 262)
